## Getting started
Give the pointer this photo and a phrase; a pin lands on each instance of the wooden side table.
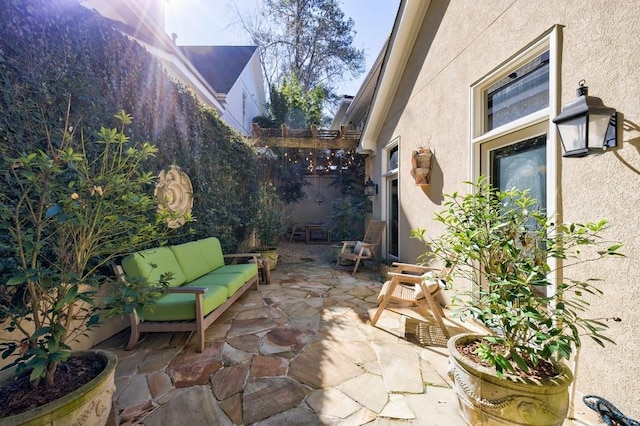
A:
(310, 228)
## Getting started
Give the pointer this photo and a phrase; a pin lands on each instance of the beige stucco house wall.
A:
(439, 52)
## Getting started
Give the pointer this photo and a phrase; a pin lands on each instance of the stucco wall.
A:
(309, 210)
(462, 41)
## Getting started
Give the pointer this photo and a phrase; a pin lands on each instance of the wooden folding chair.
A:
(365, 249)
(402, 288)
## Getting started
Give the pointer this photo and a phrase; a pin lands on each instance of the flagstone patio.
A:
(299, 351)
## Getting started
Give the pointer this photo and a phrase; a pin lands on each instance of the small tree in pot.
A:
(68, 208)
(505, 246)
(268, 225)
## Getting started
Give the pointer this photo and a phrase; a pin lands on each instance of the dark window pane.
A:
(393, 216)
(393, 158)
(521, 93)
(523, 166)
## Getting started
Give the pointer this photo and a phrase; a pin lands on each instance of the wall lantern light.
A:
(586, 125)
(370, 188)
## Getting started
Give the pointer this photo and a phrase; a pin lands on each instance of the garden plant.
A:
(518, 261)
(69, 206)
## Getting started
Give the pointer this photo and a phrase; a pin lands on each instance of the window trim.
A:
(386, 176)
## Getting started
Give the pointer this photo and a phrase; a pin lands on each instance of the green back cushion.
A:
(141, 264)
(212, 252)
(191, 260)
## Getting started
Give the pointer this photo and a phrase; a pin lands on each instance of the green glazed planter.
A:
(484, 399)
(89, 405)
(271, 256)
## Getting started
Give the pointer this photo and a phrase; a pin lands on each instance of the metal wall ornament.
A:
(174, 194)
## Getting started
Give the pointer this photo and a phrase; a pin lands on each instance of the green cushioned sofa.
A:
(201, 289)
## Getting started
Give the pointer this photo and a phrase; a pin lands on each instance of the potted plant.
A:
(517, 260)
(68, 208)
(268, 225)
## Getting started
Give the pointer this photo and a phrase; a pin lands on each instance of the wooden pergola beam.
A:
(306, 138)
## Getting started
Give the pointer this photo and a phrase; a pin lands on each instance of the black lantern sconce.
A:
(586, 125)
(370, 188)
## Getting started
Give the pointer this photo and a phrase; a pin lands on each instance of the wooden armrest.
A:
(241, 255)
(415, 268)
(236, 256)
(395, 276)
(408, 267)
(193, 290)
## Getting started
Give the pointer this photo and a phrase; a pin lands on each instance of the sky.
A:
(212, 22)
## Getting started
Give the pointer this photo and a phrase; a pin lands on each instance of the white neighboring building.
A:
(234, 72)
(227, 78)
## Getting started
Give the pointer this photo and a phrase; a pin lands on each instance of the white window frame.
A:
(387, 175)
(536, 123)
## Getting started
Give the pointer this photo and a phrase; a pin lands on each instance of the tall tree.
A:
(309, 39)
(293, 106)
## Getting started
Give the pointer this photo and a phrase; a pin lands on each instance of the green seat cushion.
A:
(191, 260)
(181, 307)
(212, 252)
(150, 264)
(232, 282)
(248, 270)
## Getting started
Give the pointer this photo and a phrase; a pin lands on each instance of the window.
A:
(512, 108)
(511, 116)
(392, 163)
(522, 92)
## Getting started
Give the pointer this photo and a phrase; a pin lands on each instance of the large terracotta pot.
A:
(485, 399)
(89, 405)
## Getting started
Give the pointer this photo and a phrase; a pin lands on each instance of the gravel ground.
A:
(300, 252)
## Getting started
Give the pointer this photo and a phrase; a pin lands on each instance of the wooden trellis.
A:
(306, 138)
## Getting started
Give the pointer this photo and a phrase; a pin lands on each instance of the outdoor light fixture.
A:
(586, 125)
(370, 188)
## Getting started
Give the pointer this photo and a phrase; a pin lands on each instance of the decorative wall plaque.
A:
(174, 194)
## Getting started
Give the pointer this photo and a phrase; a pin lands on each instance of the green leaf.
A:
(17, 279)
(39, 370)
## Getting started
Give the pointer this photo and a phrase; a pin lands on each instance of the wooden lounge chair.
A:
(402, 288)
(357, 251)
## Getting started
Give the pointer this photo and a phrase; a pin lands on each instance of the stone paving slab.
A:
(400, 367)
(319, 368)
(332, 403)
(367, 389)
(266, 397)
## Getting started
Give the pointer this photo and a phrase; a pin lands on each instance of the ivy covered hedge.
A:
(53, 51)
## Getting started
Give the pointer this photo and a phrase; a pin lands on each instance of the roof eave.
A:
(403, 37)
